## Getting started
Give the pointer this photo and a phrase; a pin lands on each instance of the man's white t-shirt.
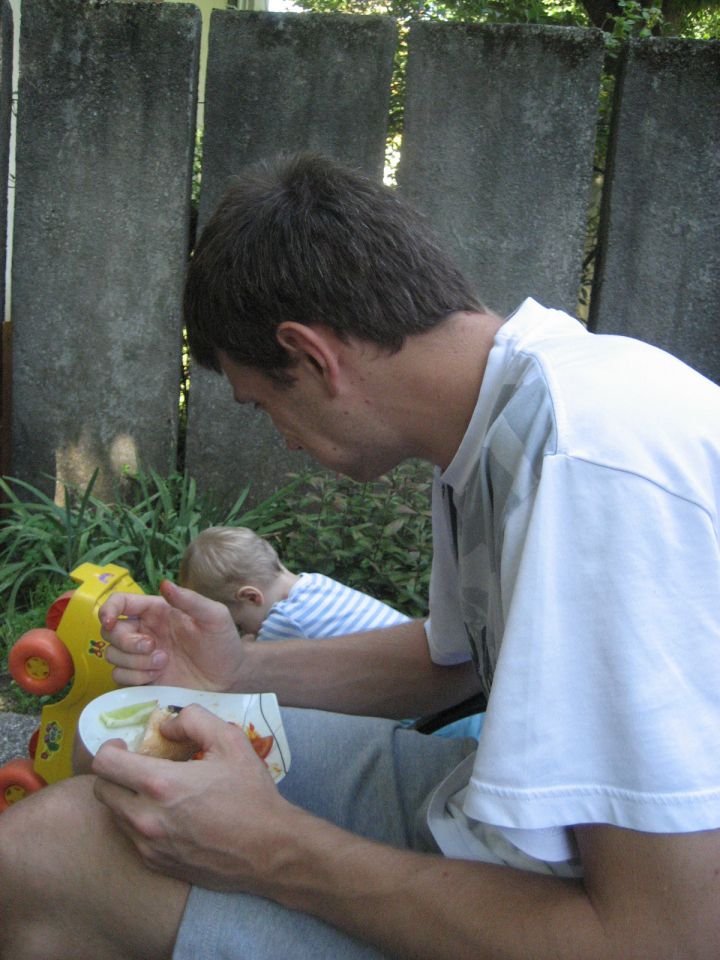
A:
(577, 561)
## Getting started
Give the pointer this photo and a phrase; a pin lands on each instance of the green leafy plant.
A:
(375, 537)
(146, 530)
(634, 19)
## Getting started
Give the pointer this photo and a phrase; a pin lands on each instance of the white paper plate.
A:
(259, 709)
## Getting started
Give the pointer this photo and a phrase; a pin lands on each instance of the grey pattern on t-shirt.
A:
(520, 433)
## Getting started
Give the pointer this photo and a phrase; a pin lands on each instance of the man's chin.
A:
(367, 471)
(360, 473)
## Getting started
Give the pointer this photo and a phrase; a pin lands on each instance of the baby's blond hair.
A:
(220, 559)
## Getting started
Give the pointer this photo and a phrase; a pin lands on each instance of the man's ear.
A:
(317, 347)
(249, 595)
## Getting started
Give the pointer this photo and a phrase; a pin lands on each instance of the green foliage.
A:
(375, 537)
(197, 169)
(704, 24)
(145, 530)
(498, 11)
(633, 20)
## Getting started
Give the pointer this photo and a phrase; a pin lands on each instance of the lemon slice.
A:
(128, 716)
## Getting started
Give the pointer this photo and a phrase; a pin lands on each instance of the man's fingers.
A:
(195, 723)
(135, 650)
(137, 818)
(109, 757)
(132, 605)
(199, 608)
(131, 677)
(213, 734)
(133, 669)
(129, 641)
(118, 767)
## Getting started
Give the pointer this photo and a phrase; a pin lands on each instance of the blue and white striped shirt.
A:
(319, 607)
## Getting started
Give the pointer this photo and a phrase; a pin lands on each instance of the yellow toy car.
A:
(46, 659)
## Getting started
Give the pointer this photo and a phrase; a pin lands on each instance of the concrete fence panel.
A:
(498, 152)
(658, 275)
(107, 98)
(279, 83)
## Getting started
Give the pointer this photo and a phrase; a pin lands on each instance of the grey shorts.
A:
(370, 776)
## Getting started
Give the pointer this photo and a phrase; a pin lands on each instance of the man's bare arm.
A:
(183, 639)
(644, 897)
(386, 673)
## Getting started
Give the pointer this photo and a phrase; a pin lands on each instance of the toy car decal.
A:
(52, 740)
(97, 648)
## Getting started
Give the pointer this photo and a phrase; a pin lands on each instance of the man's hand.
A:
(179, 639)
(210, 822)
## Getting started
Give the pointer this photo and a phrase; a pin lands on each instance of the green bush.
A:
(146, 531)
(375, 537)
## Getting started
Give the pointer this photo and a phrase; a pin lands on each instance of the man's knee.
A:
(33, 831)
(45, 814)
(33, 863)
(57, 898)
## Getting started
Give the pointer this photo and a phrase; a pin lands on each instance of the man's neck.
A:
(438, 380)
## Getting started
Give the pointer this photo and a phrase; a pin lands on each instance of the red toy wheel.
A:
(32, 744)
(40, 662)
(57, 609)
(17, 780)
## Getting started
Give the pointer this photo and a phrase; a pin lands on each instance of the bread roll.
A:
(154, 744)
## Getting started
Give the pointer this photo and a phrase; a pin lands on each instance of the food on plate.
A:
(128, 716)
(261, 745)
(151, 742)
(154, 744)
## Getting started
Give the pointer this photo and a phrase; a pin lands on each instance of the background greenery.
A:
(375, 537)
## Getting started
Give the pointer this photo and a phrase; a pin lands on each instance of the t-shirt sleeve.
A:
(604, 705)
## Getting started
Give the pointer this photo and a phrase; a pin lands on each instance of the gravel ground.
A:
(15, 731)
